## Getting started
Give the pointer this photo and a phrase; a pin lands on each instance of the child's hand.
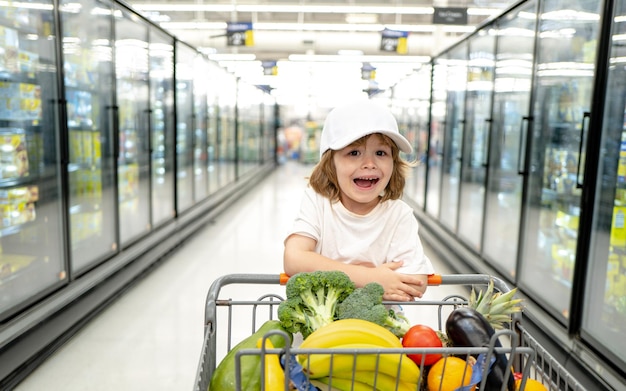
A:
(398, 286)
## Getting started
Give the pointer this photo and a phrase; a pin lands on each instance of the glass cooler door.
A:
(453, 140)
(436, 135)
(568, 32)
(32, 251)
(480, 73)
(604, 317)
(162, 126)
(213, 95)
(201, 180)
(511, 106)
(132, 65)
(88, 72)
(184, 125)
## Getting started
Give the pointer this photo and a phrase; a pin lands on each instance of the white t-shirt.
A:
(386, 234)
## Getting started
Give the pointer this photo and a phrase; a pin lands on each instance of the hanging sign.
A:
(269, 68)
(394, 41)
(450, 15)
(239, 34)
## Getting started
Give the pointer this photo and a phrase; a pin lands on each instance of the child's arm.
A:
(300, 256)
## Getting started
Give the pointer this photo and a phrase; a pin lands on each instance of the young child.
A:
(352, 218)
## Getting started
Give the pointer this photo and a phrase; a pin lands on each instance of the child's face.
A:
(363, 172)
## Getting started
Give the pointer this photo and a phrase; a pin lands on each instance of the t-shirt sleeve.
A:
(406, 246)
(307, 222)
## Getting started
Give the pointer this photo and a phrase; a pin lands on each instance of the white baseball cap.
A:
(348, 123)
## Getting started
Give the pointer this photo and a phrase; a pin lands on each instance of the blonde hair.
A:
(324, 181)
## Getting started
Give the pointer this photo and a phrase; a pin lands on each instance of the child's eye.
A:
(381, 153)
(353, 153)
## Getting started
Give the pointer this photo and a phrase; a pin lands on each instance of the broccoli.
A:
(312, 299)
(367, 303)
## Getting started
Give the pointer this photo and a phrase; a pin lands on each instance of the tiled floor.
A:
(151, 338)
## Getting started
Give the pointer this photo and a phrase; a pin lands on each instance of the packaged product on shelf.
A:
(20, 101)
(79, 109)
(97, 149)
(75, 144)
(30, 103)
(27, 62)
(17, 205)
(88, 146)
(9, 43)
(13, 153)
(618, 228)
(11, 263)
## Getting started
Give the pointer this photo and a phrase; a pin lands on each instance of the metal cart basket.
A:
(225, 316)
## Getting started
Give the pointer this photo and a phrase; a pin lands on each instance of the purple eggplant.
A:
(467, 327)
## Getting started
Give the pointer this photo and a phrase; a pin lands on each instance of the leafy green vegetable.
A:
(312, 299)
(366, 303)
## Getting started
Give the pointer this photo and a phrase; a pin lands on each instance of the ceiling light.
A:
(318, 27)
(361, 18)
(336, 58)
(232, 57)
(194, 25)
(265, 8)
(483, 11)
(350, 52)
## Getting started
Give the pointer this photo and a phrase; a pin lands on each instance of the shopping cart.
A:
(225, 316)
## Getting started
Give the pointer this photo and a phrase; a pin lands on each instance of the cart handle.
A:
(433, 279)
(282, 278)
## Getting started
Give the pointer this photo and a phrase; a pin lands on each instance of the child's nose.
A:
(369, 160)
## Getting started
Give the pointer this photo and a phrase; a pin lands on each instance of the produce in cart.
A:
(356, 354)
(422, 336)
(312, 300)
(496, 307)
(273, 373)
(449, 374)
(223, 378)
(474, 326)
(362, 345)
(367, 303)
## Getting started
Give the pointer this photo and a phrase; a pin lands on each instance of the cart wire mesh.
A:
(239, 319)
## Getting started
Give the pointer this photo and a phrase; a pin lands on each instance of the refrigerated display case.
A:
(32, 239)
(133, 99)
(213, 94)
(248, 127)
(88, 80)
(186, 57)
(439, 97)
(226, 128)
(161, 54)
(268, 137)
(421, 109)
(476, 134)
(89, 93)
(451, 159)
(604, 311)
(409, 101)
(511, 112)
(563, 86)
(200, 158)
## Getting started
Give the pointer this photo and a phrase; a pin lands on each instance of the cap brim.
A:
(402, 143)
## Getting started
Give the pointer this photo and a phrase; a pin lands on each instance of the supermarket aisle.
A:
(150, 339)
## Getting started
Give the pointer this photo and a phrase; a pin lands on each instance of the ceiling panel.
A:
(283, 28)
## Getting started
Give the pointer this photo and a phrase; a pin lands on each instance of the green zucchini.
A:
(223, 378)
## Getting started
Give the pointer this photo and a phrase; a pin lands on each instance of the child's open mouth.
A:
(365, 182)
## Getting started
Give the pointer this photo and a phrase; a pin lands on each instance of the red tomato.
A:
(422, 336)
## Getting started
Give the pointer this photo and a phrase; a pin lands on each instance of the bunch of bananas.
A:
(352, 370)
